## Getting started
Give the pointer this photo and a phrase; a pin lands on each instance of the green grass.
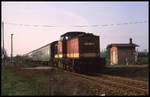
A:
(17, 82)
(13, 84)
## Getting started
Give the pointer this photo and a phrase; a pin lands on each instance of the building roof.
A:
(123, 45)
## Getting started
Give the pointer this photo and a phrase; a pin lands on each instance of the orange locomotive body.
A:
(79, 52)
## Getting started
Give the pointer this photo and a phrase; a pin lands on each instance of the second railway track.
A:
(126, 81)
(119, 84)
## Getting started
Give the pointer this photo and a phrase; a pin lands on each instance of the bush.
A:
(143, 60)
(21, 61)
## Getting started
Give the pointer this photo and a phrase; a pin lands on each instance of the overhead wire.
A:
(93, 25)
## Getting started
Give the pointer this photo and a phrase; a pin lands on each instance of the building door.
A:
(114, 57)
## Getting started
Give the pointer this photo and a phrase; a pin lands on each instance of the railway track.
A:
(119, 85)
(126, 81)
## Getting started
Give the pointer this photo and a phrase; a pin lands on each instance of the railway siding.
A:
(126, 81)
(118, 88)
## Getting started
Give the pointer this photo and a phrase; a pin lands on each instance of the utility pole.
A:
(3, 52)
(11, 48)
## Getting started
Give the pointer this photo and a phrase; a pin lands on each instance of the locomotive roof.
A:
(73, 33)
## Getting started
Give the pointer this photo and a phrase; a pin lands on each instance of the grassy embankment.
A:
(137, 72)
(14, 84)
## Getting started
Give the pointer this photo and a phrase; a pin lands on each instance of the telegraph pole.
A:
(3, 52)
(11, 48)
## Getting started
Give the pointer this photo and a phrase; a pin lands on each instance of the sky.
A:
(35, 24)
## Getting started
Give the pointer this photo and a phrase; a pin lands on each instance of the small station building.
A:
(124, 53)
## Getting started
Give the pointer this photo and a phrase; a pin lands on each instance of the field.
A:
(52, 81)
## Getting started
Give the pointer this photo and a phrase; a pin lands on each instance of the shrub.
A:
(143, 60)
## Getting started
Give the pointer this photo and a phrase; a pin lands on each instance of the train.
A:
(75, 51)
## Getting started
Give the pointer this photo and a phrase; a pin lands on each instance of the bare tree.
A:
(4, 55)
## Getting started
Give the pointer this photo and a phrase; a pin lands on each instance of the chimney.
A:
(130, 41)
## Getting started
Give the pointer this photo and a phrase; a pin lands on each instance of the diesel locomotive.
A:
(75, 51)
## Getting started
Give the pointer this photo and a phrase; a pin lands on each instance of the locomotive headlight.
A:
(60, 55)
(66, 37)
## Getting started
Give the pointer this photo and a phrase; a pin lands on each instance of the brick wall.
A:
(126, 55)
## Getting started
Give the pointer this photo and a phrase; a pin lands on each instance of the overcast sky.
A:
(114, 22)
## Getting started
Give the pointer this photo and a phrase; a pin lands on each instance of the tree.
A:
(103, 54)
(108, 56)
(143, 57)
(4, 53)
(4, 56)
